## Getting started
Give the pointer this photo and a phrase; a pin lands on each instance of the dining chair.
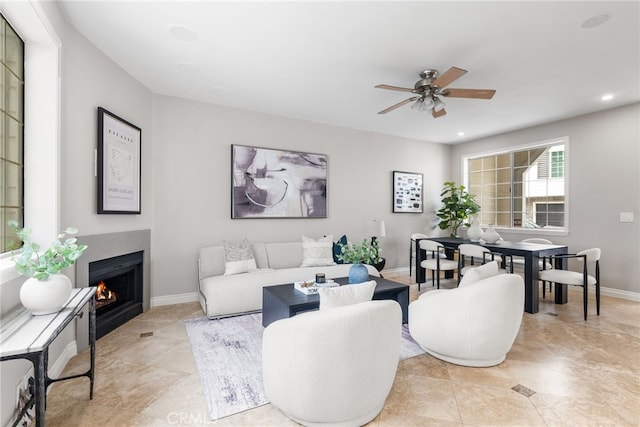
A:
(542, 263)
(412, 249)
(473, 256)
(436, 260)
(583, 278)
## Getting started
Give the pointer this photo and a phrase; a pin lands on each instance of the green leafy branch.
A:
(40, 265)
(366, 253)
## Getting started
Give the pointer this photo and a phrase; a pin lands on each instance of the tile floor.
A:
(576, 373)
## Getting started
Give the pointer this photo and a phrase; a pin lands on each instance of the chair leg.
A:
(585, 294)
(598, 298)
(544, 289)
(438, 279)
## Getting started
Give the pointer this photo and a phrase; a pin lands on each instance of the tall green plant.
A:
(457, 205)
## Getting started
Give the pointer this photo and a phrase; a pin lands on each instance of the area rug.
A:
(228, 356)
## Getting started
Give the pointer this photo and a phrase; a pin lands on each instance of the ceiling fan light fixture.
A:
(438, 104)
(428, 103)
(417, 106)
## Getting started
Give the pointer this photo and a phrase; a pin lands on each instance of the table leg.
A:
(560, 288)
(531, 282)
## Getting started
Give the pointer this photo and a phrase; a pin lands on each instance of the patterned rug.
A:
(228, 356)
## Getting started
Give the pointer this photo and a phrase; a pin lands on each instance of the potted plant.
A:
(366, 253)
(457, 205)
(46, 290)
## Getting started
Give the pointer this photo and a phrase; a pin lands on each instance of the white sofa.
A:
(333, 367)
(278, 263)
(474, 324)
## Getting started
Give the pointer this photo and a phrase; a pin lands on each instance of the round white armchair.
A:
(335, 366)
(474, 324)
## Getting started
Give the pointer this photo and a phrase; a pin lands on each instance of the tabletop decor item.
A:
(366, 253)
(474, 233)
(458, 205)
(46, 290)
(490, 235)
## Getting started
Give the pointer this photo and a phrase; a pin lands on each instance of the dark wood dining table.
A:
(531, 252)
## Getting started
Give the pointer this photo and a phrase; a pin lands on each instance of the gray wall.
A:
(192, 178)
(604, 180)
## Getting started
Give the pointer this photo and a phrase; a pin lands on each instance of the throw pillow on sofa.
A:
(238, 257)
(337, 249)
(346, 294)
(317, 253)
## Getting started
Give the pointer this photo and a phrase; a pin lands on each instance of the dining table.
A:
(530, 252)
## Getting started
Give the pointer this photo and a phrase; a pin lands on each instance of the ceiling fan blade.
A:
(438, 113)
(398, 105)
(452, 74)
(469, 93)
(398, 88)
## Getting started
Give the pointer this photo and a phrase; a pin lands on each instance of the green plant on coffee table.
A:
(366, 253)
(458, 205)
(40, 265)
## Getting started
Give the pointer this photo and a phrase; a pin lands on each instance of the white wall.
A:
(604, 180)
(192, 179)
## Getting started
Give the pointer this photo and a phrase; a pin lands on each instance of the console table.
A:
(531, 252)
(25, 336)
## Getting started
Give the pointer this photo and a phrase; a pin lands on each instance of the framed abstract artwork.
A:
(118, 164)
(271, 183)
(407, 192)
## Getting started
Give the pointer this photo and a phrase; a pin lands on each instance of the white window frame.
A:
(41, 124)
(550, 142)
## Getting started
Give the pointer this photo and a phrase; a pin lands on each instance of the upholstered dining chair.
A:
(436, 261)
(543, 263)
(587, 257)
(472, 256)
(412, 249)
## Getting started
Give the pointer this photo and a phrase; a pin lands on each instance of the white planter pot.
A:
(45, 296)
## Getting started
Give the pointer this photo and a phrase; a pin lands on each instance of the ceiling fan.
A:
(430, 87)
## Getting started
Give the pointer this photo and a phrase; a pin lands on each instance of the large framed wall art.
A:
(119, 164)
(271, 183)
(407, 192)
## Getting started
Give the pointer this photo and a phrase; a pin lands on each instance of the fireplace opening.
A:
(119, 290)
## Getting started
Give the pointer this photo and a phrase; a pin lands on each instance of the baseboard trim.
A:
(55, 369)
(174, 299)
(617, 293)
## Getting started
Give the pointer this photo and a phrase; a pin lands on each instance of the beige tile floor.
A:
(581, 373)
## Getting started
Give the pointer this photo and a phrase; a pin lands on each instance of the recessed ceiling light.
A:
(607, 97)
(595, 21)
(182, 33)
(188, 67)
(460, 133)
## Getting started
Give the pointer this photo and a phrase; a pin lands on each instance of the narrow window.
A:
(11, 132)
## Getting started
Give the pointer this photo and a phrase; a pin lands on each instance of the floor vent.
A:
(552, 314)
(146, 334)
(527, 392)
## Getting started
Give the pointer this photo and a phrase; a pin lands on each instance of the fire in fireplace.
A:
(119, 290)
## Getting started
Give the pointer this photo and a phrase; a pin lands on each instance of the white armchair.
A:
(474, 324)
(335, 366)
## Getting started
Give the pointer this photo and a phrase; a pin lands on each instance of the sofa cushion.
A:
(316, 253)
(284, 255)
(346, 294)
(476, 274)
(337, 250)
(238, 257)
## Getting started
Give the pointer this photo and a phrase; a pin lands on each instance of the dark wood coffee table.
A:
(283, 301)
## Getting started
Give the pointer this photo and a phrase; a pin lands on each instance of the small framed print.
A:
(119, 165)
(407, 192)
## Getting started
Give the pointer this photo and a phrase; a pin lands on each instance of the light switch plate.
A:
(626, 216)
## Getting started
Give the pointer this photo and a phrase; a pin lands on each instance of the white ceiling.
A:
(319, 61)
